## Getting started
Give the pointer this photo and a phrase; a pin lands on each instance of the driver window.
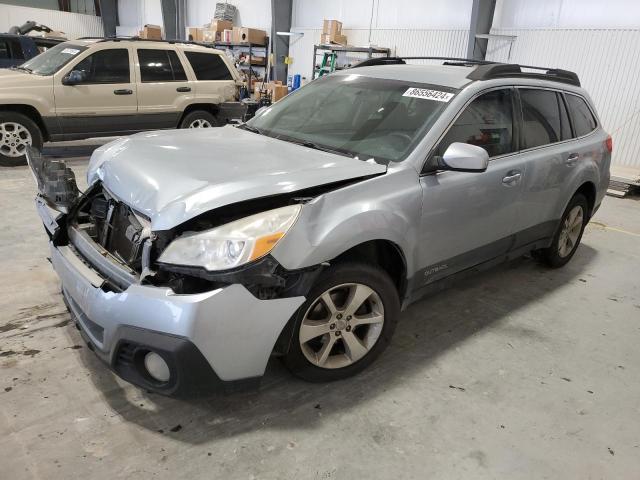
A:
(106, 66)
(487, 122)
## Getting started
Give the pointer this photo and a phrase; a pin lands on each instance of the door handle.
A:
(572, 159)
(183, 89)
(512, 178)
(123, 91)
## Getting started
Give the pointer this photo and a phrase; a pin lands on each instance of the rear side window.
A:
(208, 66)
(160, 66)
(106, 66)
(583, 120)
(487, 122)
(5, 53)
(544, 118)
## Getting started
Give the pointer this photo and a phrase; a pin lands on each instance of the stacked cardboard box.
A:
(332, 33)
(209, 33)
(249, 35)
(277, 90)
(151, 32)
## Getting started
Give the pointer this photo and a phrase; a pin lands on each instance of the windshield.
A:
(49, 62)
(360, 116)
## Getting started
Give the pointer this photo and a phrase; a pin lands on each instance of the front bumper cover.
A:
(227, 330)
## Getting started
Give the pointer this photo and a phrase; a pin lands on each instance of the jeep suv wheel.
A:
(17, 132)
(569, 233)
(200, 119)
(347, 321)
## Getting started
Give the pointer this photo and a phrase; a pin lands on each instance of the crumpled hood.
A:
(172, 176)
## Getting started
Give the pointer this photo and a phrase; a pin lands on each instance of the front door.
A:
(468, 218)
(105, 102)
(163, 87)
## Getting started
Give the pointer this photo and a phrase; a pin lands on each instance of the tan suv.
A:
(102, 87)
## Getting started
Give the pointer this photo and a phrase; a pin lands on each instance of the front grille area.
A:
(114, 226)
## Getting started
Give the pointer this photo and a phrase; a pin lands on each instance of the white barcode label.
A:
(70, 51)
(428, 94)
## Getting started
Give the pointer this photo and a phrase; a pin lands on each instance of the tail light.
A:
(609, 144)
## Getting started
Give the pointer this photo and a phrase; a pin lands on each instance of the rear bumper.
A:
(219, 338)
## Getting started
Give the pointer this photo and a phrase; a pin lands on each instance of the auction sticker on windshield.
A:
(427, 94)
(71, 51)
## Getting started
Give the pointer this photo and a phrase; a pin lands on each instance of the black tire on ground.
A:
(9, 120)
(344, 273)
(551, 255)
(202, 116)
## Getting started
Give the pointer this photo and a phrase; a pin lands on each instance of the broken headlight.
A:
(233, 244)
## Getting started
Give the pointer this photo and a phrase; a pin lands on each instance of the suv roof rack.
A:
(484, 69)
(402, 61)
(138, 39)
(502, 70)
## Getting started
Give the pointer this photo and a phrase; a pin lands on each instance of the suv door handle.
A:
(123, 91)
(572, 159)
(183, 89)
(512, 178)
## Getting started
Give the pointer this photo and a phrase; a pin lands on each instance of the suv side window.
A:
(583, 120)
(486, 122)
(544, 118)
(160, 66)
(106, 66)
(208, 66)
(5, 53)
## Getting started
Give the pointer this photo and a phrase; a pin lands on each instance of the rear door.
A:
(468, 218)
(163, 87)
(105, 103)
(548, 149)
(214, 81)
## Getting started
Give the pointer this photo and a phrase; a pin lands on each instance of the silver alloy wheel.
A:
(570, 232)
(14, 139)
(200, 123)
(341, 326)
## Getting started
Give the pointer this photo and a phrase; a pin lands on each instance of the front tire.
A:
(347, 320)
(200, 119)
(569, 233)
(17, 132)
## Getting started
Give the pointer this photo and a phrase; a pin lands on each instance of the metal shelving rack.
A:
(250, 49)
(370, 51)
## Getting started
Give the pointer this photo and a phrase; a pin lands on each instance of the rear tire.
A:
(353, 328)
(568, 234)
(200, 119)
(17, 131)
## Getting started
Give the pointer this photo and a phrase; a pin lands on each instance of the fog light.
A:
(157, 367)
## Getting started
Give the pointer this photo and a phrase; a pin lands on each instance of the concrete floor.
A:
(522, 372)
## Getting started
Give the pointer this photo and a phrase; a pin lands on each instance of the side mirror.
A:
(74, 77)
(464, 157)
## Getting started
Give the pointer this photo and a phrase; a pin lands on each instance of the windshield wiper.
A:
(24, 69)
(249, 128)
(315, 146)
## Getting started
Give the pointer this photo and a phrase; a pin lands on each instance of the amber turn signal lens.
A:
(265, 244)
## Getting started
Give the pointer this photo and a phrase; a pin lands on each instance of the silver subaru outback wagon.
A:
(193, 256)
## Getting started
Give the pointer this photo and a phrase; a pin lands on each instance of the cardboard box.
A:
(194, 34)
(249, 35)
(151, 32)
(326, 39)
(278, 92)
(332, 27)
(219, 25)
(210, 36)
(227, 36)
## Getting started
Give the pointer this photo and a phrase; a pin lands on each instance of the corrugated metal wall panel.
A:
(73, 24)
(608, 64)
(400, 41)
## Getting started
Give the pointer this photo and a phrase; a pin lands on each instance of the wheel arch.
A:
(211, 108)
(28, 111)
(588, 189)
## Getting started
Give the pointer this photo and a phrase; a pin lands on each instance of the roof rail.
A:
(502, 70)
(402, 60)
(484, 69)
(138, 39)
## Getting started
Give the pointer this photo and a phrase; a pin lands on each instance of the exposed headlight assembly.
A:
(233, 244)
